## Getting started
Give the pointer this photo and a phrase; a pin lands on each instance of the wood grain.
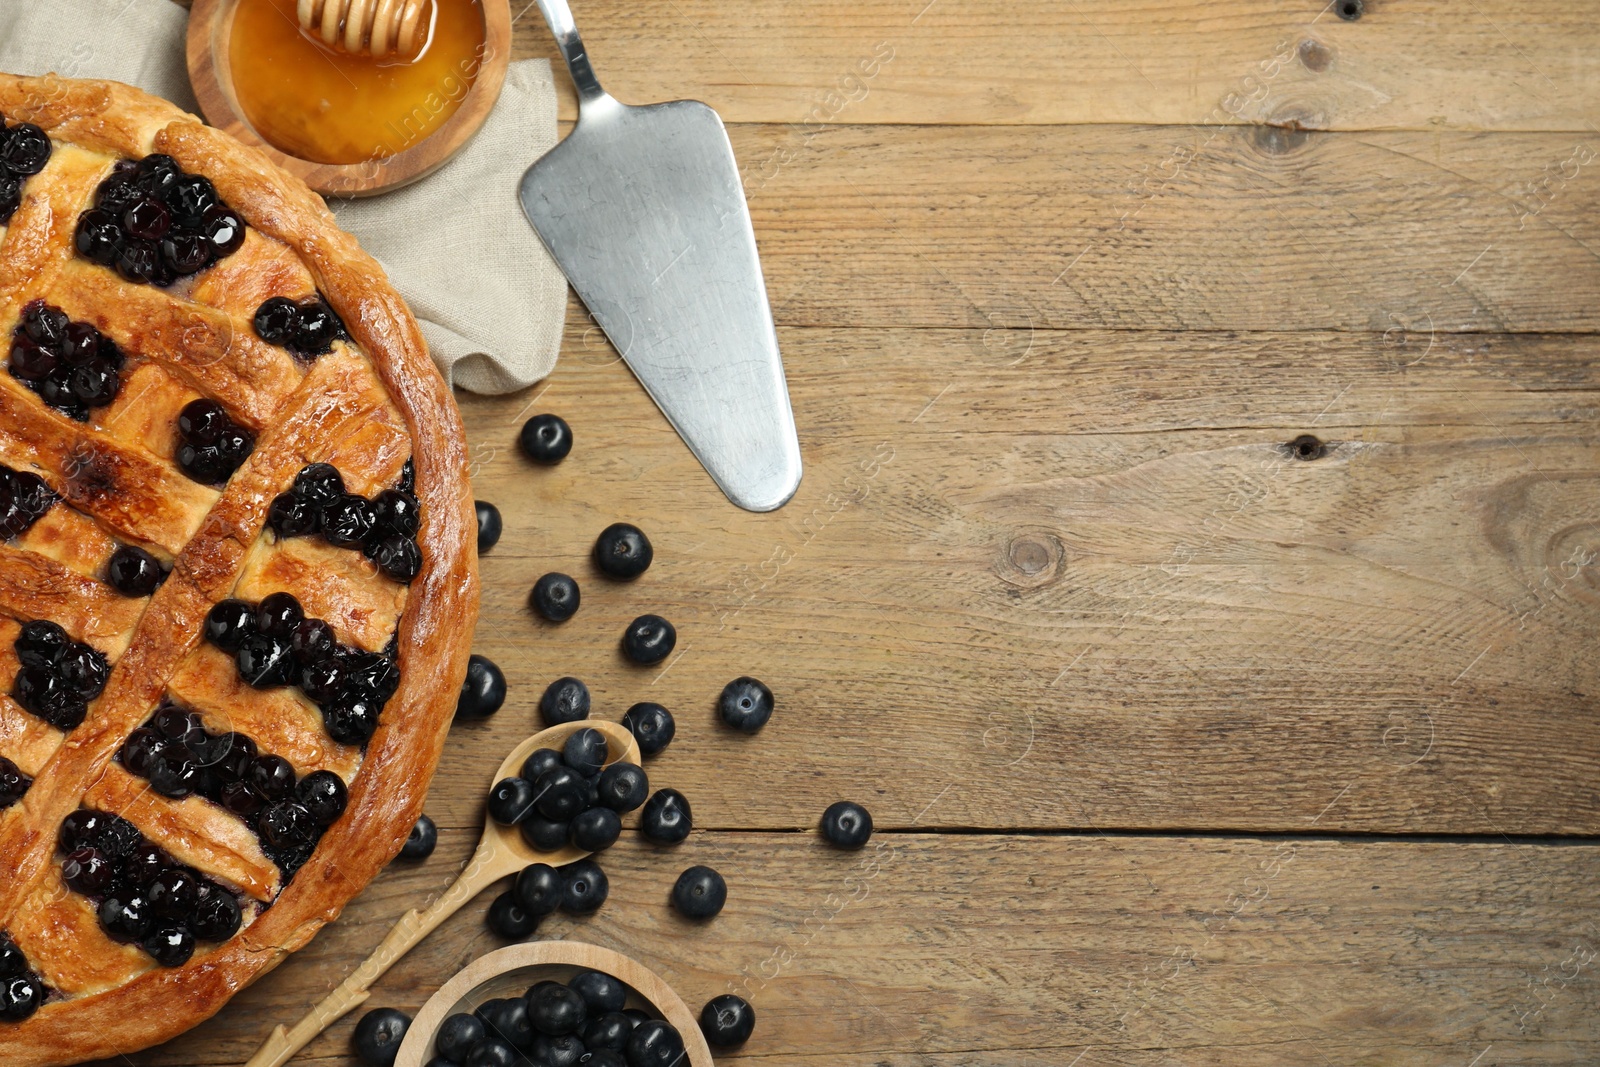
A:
(1420, 64)
(1076, 580)
(1060, 286)
(956, 950)
(1175, 228)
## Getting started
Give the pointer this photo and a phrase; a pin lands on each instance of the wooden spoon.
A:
(501, 852)
(366, 27)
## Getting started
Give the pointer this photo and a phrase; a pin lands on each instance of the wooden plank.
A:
(1036, 950)
(1168, 228)
(1420, 65)
(1078, 579)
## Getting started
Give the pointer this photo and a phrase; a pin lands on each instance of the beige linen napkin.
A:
(490, 299)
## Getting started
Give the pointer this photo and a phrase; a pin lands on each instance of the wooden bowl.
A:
(510, 971)
(210, 26)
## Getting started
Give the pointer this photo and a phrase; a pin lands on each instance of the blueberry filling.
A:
(13, 783)
(133, 572)
(24, 150)
(71, 365)
(58, 676)
(142, 894)
(179, 757)
(274, 645)
(153, 223)
(211, 445)
(24, 498)
(21, 990)
(308, 328)
(383, 528)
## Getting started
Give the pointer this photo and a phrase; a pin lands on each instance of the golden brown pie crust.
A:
(333, 401)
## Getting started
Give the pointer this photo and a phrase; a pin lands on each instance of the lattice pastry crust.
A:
(368, 405)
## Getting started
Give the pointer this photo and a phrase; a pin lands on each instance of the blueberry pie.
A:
(238, 572)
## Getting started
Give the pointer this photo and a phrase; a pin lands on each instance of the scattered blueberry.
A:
(539, 888)
(623, 786)
(601, 992)
(546, 438)
(564, 700)
(511, 800)
(596, 829)
(649, 639)
(699, 893)
(623, 551)
(482, 691)
(493, 1052)
(666, 818)
(654, 1043)
(560, 794)
(539, 761)
(727, 1021)
(489, 524)
(846, 825)
(508, 1020)
(555, 1009)
(378, 1035)
(543, 835)
(610, 1031)
(745, 704)
(508, 918)
(457, 1035)
(585, 751)
(420, 843)
(651, 725)
(586, 887)
(555, 596)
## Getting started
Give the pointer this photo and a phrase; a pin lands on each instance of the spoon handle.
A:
(488, 864)
(558, 16)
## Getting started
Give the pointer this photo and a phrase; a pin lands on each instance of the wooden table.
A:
(1197, 568)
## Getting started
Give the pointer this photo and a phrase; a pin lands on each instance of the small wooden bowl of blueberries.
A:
(555, 1003)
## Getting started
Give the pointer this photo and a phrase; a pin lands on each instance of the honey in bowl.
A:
(326, 105)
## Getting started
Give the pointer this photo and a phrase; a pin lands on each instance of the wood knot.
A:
(1314, 55)
(1570, 569)
(1031, 559)
(1276, 140)
(1306, 447)
(1350, 10)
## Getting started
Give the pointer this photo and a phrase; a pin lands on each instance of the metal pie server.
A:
(642, 208)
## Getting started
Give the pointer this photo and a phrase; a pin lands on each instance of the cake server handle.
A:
(488, 865)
